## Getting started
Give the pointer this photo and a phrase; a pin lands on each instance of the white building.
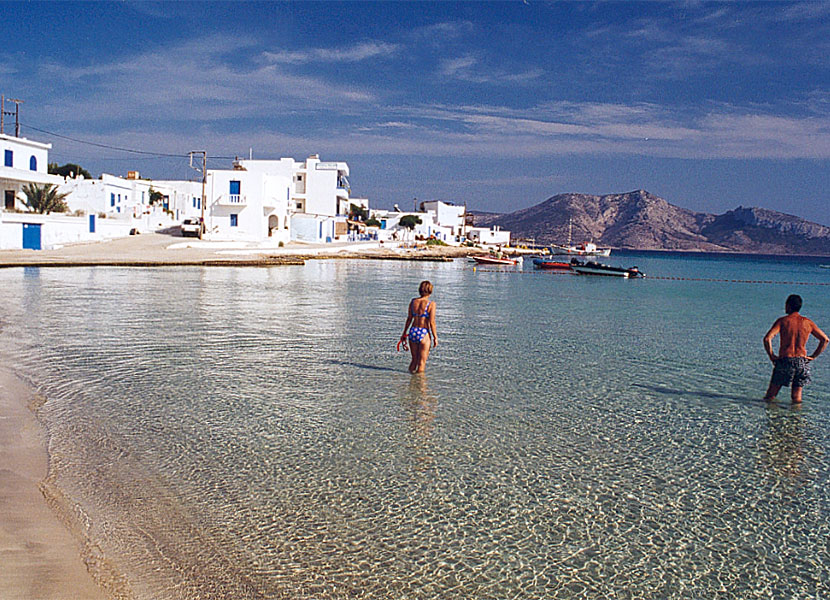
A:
(24, 162)
(448, 216)
(110, 196)
(489, 237)
(182, 198)
(280, 200)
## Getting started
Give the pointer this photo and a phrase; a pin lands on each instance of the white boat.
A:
(583, 249)
(492, 259)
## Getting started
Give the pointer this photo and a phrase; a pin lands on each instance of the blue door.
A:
(31, 236)
(92, 223)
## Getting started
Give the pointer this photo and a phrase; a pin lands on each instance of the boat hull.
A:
(553, 265)
(573, 251)
(492, 260)
(606, 272)
(593, 268)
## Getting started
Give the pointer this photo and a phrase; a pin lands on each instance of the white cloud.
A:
(355, 53)
(468, 68)
(805, 11)
(203, 80)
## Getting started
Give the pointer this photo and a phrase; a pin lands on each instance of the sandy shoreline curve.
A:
(41, 559)
(166, 248)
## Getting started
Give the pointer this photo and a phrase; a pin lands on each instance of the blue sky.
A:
(499, 105)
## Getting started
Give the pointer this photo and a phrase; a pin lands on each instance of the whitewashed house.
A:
(247, 205)
(110, 196)
(489, 237)
(279, 200)
(182, 198)
(449, 217)
(24, 162)
(391, 229)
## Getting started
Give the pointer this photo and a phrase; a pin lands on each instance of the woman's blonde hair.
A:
(425, 289)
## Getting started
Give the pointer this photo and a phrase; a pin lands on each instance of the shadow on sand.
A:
(701, 394)
(346, 363)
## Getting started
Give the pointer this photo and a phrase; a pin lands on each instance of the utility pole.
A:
(16, 114)
(203, 171)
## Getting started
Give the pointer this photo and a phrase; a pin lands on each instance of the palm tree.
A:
(44, 199)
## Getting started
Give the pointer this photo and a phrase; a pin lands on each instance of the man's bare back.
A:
(791, 362)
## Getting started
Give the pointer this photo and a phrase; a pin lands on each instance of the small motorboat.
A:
(595, 268)
(493, 259)
(550, 263)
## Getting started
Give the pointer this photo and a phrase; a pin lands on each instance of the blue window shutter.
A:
(234, 220)
(33, 164)
(9, 158)
(236, 186)
(112, 199)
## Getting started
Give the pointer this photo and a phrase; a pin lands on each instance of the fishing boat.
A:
(595, 268)
(550, 263)
(492, 259)
(583, 249)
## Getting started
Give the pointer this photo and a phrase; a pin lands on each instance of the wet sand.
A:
(40, 557)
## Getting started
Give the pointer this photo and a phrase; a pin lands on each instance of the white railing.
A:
(233, 199)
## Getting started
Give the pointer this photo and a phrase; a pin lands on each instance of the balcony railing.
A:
(235, 199)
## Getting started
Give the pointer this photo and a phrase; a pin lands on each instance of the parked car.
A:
(191, 226)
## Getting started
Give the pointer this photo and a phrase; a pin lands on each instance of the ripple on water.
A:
(252, 433)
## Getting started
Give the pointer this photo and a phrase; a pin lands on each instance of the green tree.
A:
(358, 213)
(410, 221)
(44, 199)
(372, 222)
(156, 196)
(69, 169)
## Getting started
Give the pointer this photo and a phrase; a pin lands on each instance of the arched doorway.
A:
(273, 223)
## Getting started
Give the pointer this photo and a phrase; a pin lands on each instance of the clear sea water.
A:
(252, 433)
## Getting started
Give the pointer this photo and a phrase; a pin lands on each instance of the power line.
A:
(120, 149)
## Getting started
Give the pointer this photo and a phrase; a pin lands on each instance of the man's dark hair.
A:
(793, 304)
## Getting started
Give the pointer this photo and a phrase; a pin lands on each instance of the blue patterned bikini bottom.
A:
(417, 334)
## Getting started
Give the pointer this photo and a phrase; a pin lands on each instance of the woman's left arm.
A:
(432, 329)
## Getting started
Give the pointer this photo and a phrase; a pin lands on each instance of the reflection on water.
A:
(421, 405)
(784, 447)
(252, 433)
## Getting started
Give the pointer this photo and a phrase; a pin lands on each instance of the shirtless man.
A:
(792, 365)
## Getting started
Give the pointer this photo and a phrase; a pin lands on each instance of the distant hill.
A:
(643, 221)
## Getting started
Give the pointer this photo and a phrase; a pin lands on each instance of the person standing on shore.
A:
(421, 317)
(791, 364)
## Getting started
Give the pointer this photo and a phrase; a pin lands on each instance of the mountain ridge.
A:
(640, 220)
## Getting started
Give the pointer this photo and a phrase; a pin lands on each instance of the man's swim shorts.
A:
(793, 370)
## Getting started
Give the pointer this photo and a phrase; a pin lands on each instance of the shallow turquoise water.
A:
(253, 433)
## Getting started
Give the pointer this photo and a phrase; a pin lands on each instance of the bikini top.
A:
(426, 310)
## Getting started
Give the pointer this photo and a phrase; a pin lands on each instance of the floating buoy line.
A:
(700, 279)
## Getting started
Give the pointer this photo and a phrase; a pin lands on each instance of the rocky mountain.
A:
(640, 220)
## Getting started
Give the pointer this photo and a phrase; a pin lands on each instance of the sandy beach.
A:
(41, 559)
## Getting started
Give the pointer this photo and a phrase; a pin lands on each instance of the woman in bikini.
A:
(421, 317)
